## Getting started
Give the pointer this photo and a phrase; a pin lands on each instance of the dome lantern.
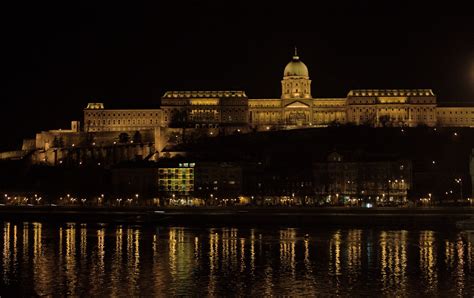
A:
(296, 67)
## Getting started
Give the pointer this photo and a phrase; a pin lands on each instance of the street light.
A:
(459, 181)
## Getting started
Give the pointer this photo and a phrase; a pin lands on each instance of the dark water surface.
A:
(122, 260)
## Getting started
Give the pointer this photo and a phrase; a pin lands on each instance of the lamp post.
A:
(459, 181)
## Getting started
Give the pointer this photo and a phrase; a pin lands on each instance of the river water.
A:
(126, 260)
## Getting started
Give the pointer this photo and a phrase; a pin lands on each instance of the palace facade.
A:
(217, 112)
(296, 108)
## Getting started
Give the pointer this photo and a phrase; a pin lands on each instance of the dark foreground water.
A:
(115, 260)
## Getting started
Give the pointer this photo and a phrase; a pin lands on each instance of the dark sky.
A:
(58, 57)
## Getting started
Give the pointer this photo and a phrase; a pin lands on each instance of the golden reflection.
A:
(335, 253)
(354, 251)
(37, 245)
(287, 249)
(83, 243)
(60, 254)
(180, 258)
(383, 257)
(242, 254)
(401, 262)
(197, 251)
(158, 270)
(71, 254)
(26, 235)
(136, 258)
(229, 248)
(393, 258)
(213, 261)
(460, 274)
(225, 249)
(101, 251)
(233, 247)
(172, 251)
(133, 257)
(6, 251)
(137, 249)
(428, 258)
(117, 262)
(449, 254)
(268, 281)
(309, 275)
(155, 243)
(42, 274)
(98, 266)
(15, 245)
(306, 252)
(252, 252)
(469, 255)
(124, 271)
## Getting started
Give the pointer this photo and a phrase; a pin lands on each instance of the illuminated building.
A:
(205, 109)
(225, 112)
(385, 182)
(373, 107)
(221, 179)
(295, 108)
(176, 179)
(97, 118)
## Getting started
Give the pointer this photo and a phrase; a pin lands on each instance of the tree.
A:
(369, 121)
(180, 119)
(384, 120)
(89, 139)
(421, 124)
(124, 137)
(57, 142)
(137, 137)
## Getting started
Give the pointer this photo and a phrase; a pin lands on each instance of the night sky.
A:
(60, 56)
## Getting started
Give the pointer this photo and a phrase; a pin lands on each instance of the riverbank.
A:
(298, 216)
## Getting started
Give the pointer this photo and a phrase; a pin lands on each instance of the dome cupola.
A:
(296, 82)
(296, 68)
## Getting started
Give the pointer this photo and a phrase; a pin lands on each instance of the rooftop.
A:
(203, 94)
(391, 92)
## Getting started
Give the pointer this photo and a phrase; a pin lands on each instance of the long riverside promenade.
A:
(420, 217)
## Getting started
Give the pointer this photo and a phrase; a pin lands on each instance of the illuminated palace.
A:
(232, 111)
(295, 108)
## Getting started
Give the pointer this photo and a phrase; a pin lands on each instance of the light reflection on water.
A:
(120, 260)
